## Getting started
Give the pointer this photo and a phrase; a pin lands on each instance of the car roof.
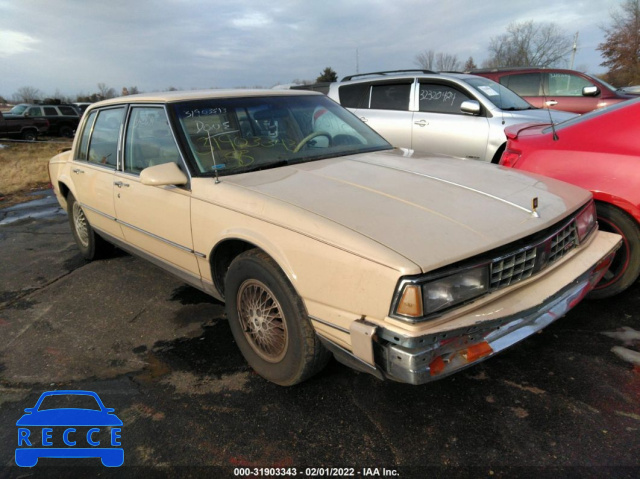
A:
(407, 76)
(523, 70)
(175, 96)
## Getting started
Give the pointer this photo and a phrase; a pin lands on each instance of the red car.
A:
(558, 89)
(598, 151)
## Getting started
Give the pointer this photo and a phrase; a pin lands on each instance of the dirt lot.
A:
(562, 403)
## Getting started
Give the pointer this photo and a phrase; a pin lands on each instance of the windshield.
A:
(18, 109)
(237, 135)
(66, 401)
(608, 85)
(499, 95)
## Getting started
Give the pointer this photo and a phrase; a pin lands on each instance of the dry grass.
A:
(23, 168)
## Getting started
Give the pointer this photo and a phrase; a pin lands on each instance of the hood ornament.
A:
(534, 207)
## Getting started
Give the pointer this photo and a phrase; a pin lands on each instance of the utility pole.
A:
(575, 47)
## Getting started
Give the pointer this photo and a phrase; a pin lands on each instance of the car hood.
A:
(69, 417)
(540, 115)
(433, 211)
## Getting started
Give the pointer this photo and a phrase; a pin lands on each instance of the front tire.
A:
(29, 135)
(269, 321)
(90, 244)
(625, 267)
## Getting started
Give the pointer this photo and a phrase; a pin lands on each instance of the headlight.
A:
(417, 300)
(455, 289)
(586, 221)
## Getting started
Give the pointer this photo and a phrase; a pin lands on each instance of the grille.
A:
(563, 242)
(522, 264)
(513, 268)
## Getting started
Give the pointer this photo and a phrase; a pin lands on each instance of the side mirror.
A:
(163, 175)
(29, 410)
(471, 107)
(590, 91)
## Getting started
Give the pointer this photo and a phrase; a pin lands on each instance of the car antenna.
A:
(217, 166)
(553, 126)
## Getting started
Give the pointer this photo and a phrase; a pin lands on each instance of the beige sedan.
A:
(321, 238)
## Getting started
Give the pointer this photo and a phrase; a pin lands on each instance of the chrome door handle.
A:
(551, 103)
(364, 119)
(77, 171)
(120, 184)
(421, 123)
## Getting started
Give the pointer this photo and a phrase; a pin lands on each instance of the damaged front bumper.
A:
(420, 359)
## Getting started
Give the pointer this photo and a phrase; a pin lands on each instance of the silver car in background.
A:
(439, 113)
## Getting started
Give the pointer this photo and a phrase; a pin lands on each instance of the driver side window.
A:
(149, 140)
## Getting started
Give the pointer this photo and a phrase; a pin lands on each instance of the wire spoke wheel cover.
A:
(262, 320)
(80, 223)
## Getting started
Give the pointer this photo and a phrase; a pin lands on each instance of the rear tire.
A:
(91, 245)
(269, 321)
(66, 131)
(625, 267)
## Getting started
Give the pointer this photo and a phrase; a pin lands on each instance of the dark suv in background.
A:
(63, 119)
(559, 89)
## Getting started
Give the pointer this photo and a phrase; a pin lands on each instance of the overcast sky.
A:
(72, 45)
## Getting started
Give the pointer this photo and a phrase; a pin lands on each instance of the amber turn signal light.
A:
(410, 303)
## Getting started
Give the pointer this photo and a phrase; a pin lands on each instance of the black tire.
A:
(91, 245)
(496, 158)
(281, 346)
(66, 131)
(29, 135)
(625, 267)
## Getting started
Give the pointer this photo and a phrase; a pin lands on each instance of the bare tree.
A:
(447, 62)
(426, 60)
(430, 60)
(104, 92)
(27, 94)
(529, 44)
(621, 48)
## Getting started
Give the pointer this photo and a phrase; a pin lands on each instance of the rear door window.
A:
(50, 111)
(524, 84)
(390, 96)
(103, 148)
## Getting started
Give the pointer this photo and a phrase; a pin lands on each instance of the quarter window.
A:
(67, 110)
(149, 140)
(390, 96)
(436, 98)
(103, 149)
(354, 96)
(84, 138)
